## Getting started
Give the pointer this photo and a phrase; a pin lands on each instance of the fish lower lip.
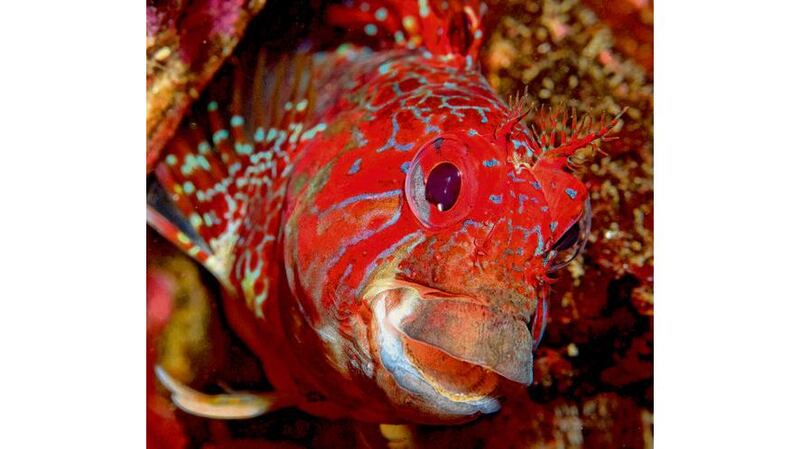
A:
(469, 332)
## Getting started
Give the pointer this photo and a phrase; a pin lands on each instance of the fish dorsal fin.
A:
(451, 28)
(222, 178)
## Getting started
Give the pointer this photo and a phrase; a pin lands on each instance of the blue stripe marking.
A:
(392, 143)
(539, 241)
(363, 197)
(361, 236)
(469, 222)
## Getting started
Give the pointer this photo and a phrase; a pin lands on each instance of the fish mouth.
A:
(452, 351)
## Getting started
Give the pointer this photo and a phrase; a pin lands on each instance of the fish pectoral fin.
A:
(216, 406)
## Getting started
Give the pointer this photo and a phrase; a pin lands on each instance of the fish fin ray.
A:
(219, 406)
(221, 176)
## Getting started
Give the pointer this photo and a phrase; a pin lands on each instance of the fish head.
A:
(458, 310)
(421, 250)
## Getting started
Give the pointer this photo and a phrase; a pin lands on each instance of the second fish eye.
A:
(572, 241)
(569, 238)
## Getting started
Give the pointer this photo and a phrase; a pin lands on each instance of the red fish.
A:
(382, 224)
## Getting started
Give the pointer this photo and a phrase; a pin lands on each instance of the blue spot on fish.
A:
(553, 226)
(355, 167)
(259, 135)
(522, 199)
(243, 148)
(571, 193)
(371, 29)
(491, 163)
(237, 120)
(219, 136)
(361, 141)
(497, 199)
(405, 166)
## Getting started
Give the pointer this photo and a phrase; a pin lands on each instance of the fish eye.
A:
(572, 241)
(569, 238)
(443, 186)
(441, 182)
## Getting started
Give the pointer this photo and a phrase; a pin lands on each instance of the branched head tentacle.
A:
(559, 133)
(519, 107)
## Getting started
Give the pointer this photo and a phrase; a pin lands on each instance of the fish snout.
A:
(471, 333)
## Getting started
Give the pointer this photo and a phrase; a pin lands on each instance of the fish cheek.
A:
(331, 241)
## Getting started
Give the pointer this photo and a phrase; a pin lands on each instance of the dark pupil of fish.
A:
(443, 186)
(568, 239)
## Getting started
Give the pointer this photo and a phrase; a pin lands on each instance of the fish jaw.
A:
(451, 358)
